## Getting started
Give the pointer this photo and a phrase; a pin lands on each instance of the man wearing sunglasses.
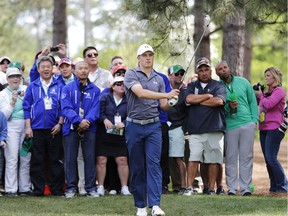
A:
(100, 77)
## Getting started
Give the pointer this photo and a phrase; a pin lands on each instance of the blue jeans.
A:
(270, 144)
(71, 153)
(144, 144)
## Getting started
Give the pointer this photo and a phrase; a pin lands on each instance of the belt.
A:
(143, 122)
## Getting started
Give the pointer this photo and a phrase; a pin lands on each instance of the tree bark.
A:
(59, 22)
(248, 54)
(204, 47)
(233, 41)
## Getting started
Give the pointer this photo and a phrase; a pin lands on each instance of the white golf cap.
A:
(144, 48)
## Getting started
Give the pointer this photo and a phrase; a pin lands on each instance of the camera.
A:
(258, 87)
(54, 49)
(283, 126)
(19, 92)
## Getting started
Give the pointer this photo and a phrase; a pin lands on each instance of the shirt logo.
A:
(63, 96)
(53, 91)
(88, 96)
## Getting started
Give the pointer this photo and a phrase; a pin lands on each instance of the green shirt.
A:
(247, 110)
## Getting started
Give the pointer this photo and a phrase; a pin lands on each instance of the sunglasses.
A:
(90, 55)
(120, 73)
(118, 83)
(181, 73)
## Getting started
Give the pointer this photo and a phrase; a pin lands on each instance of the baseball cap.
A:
(120, 67)
(5, 58)
(144, 48)
(13, 71)
(15, 65)
(202, 61)
(118, 79)
(65, 61)
(26, 146)
(175, 69)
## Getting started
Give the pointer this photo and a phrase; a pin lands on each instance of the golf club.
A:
(173, 101)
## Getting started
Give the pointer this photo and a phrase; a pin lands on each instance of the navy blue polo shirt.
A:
(138, 108)
(204, 119)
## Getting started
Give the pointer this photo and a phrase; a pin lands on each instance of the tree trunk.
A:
(233, 41)
(204, 47)
(248, 54)
(59, 22)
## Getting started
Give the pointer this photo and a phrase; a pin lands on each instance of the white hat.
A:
(13, 71)
(144, 48)
(118, 79)
(5, 58)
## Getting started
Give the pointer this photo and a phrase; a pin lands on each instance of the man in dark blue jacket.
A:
(43, 118)
(80, 107)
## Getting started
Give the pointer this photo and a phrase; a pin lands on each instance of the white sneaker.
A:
(100, 190)
(141, 212)
(82, 191)
(125, 191)
(188, 192)
(70, 194)
(112, 192)
(157, 211)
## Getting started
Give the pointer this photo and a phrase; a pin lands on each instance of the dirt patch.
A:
(260, 175)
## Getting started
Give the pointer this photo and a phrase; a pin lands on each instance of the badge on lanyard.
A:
(48, 103)
(117, 118)
(81, 113)
(262, 116)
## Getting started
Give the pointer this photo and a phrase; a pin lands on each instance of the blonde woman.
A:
(271, 106)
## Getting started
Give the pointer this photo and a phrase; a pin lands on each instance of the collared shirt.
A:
(142, 108)
(45, 85)
(205, 119)
(70, 79)
(101, 78)
(247, 109)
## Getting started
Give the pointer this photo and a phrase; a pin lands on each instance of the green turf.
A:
(172, 204)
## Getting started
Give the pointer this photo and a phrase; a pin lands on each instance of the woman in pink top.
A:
(271, 106)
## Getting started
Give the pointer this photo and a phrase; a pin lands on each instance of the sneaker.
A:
(100, 190)
(11, 194)
(197, 190)
(188, 192)
(125, 191)
(211, 192)
(157, 211)
(141, 212)
(70, 194)
(112, 192)
(220, 190)
(181, 191)
(26, 193)
(247, 194)
(205, 190)
(165, 190)
(92, 194)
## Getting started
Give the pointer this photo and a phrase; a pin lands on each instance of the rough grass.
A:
(172, 204)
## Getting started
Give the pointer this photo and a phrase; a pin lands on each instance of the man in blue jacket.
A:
(80, 107)
(43, 119)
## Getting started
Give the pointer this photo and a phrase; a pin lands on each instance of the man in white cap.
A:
(145, 92)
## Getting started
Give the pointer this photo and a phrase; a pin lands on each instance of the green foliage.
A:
(120, 205)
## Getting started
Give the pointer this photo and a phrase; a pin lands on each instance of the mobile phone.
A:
(54, 49)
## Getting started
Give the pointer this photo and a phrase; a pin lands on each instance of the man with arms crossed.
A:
(206, 123)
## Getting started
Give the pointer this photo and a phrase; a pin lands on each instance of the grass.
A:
(172, 204)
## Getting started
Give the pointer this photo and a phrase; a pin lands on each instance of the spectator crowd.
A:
(73, 128)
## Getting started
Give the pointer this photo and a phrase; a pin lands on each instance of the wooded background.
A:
(250, 35)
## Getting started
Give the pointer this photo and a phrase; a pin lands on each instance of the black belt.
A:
(143, 122)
